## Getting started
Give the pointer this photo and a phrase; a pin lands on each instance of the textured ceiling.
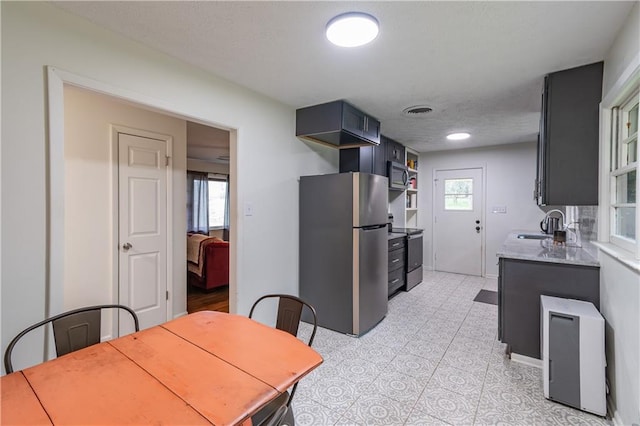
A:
(479, 65)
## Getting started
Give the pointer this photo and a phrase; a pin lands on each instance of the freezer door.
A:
(371, 278)
(371, 199)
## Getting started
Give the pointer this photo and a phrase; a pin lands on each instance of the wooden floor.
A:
(215, 300)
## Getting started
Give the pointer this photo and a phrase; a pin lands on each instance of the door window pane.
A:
(626, 188)
(217, 200)
(458, 194)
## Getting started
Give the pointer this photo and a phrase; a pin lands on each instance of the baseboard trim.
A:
(181, 314)
(491, 276)
(523, 359)
(615, 418)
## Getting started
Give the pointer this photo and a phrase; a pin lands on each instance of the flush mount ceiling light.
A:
(352, 29)
(458, 136)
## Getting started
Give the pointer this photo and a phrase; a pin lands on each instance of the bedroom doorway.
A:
(208, 218)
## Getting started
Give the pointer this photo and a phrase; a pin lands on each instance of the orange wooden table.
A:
(204, 368)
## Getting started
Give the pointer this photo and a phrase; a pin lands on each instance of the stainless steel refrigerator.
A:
(343, 249)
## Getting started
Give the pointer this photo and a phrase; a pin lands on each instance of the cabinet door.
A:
(372, 129)
(352, 120)
(380, 158)
(568, 156)
(395, 151)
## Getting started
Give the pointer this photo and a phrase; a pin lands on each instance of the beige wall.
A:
(89, 186)
(206, 166)
(269, 156)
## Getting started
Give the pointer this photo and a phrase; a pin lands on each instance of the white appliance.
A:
(573, 354)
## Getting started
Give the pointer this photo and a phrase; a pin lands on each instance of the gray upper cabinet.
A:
(395, 150)
(366, 159)
(567, 172)
(338, 124)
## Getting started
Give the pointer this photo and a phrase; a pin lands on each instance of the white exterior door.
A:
(142, 185)
(458, 221)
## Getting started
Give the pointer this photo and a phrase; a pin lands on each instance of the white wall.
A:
(89, 221)
(269, 157)
(620, 305)
(623, 50)
(510, 171)
(620, 285)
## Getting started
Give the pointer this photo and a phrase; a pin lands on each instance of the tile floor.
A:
(434, 360)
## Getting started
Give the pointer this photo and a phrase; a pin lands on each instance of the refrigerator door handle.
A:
(372, 227)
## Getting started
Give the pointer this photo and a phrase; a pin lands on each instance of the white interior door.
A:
(142, 181)
(458, 221)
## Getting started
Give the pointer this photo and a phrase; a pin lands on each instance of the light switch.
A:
(248, 209)
(499, 209)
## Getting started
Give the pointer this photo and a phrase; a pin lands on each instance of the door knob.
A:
(126, 246)
(477, 222)
(478, 229)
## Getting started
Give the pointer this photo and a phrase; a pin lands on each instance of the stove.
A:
(406, 231)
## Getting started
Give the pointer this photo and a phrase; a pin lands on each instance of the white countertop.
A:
(546, 251)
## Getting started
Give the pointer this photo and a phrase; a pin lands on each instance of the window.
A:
(624, 174)
(458, 194)
(217, 201)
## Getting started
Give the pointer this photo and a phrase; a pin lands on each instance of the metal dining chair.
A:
(72, 330)
(288, 319)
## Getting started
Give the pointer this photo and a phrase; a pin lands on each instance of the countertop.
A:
(393, 235)
(546, 251)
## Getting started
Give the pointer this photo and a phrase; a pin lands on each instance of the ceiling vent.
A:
(417, 111)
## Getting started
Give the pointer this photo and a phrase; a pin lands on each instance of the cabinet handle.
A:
(395, 281)
(395, 244)
(395, 260)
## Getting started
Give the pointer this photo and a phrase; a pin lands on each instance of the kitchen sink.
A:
(533, 236)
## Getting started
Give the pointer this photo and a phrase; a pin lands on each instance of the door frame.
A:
(56, 78)
(483, 219)
(115, 129)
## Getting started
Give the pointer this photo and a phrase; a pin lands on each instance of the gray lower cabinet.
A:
(520, 285)
(397, 266)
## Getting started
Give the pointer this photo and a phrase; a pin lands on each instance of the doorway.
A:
(458, 221)
(99, 284)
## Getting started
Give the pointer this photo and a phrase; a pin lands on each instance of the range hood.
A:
(337, 124)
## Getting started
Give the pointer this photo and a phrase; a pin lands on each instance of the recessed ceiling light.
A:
(458, 136)
(352, 29)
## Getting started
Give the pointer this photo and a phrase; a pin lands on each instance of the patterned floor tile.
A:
(375, 410)
(476, 363)
(418, 418)
(335, 393)
(560, 415)
(413, 366)
(399, 386)
(467, 344)
(447, 406)
(358, 370)
(433, 349)
(456, 380)
(310, 413)
(389, 375)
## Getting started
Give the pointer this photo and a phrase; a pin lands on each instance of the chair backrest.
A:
(289, 313)
(72, 330)
(288, 319)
